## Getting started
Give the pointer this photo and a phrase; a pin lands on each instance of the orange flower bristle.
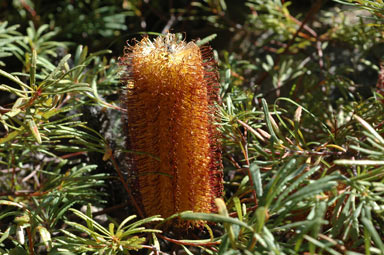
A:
(171, 123)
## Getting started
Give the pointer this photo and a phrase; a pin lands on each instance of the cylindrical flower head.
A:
(172, 92)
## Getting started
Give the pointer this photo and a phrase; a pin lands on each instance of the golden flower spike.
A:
(171, 123)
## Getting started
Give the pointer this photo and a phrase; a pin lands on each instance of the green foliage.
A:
(301, 116)
(9, 36)
(106, 241)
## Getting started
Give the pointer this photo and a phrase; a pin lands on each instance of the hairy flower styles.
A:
(171, 124)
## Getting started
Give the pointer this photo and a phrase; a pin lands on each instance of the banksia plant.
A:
(171, 103)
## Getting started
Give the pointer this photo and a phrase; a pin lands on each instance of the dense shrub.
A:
(301, 117)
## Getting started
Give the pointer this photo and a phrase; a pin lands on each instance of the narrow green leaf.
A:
(144, 221)
(358, 162)
(239, 211)
(111, 228)
(213, 218)
(186, 250)
(10, 203)
(276, 184)
(45, 237)
(370, 129)
(206, 39)
(156, 242)
(5, 235)
(15, 79)
(268, 120)
(372, 231)
(90, 221)
(261, 213)
(32, 72)
(125, 221)
(312, 189)
(321, 245)
(292, 186)
(256, 179)
(138, 231)
(35, 131)
(10, 136)
(92, 233)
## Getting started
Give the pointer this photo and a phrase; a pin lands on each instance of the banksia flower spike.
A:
(172, 92)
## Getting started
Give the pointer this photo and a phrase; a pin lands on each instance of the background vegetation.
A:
(302, 121)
